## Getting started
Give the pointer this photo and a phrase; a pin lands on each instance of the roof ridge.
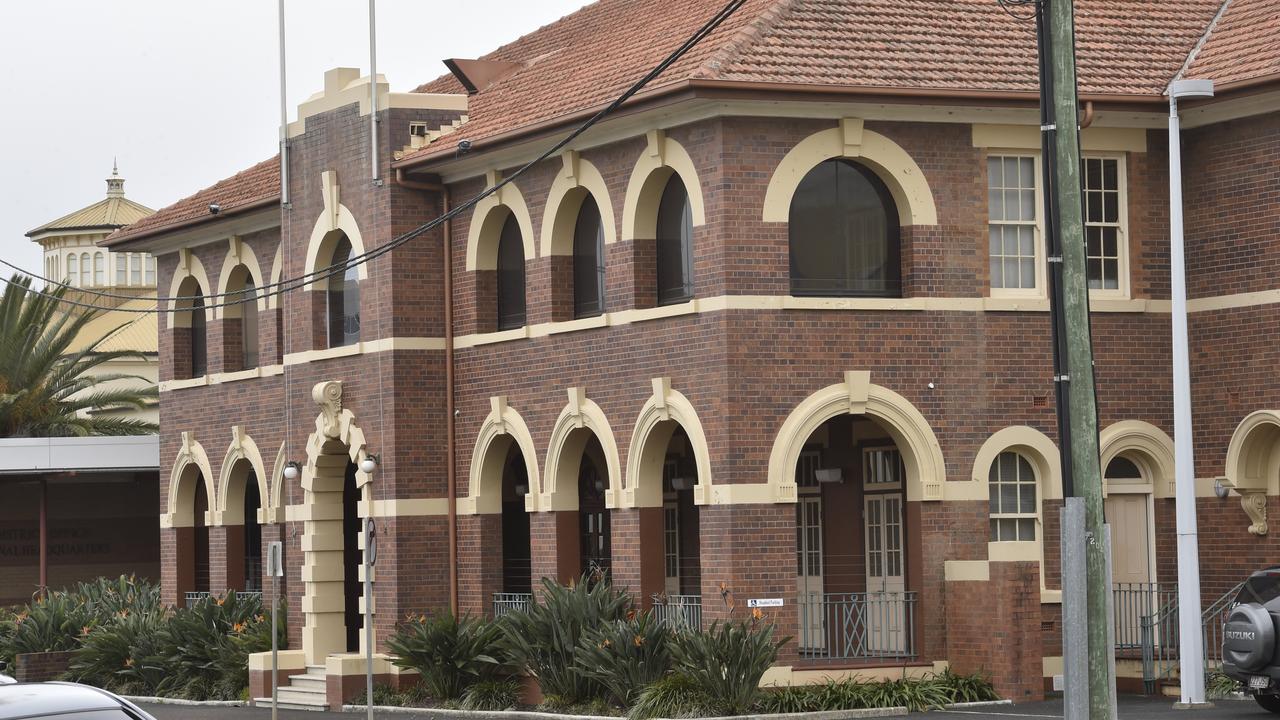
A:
(744, 38)
(1204, 38)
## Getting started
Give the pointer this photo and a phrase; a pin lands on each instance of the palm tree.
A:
(44, 385)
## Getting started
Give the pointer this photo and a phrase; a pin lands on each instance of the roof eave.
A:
(795, 91)
(129, 239)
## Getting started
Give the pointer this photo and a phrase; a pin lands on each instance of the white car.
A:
(64, 701)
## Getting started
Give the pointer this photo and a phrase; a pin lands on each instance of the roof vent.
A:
(477, 75)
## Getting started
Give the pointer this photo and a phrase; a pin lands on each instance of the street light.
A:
(1191, 643)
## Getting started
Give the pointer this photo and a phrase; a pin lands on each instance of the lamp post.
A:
(1191, 642)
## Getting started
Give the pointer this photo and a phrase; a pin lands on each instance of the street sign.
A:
(275, 559)
(764, 602)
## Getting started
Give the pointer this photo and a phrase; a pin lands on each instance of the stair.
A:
(304, 692)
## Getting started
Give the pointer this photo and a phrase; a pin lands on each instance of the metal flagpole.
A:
(284, 120)
(373, 90)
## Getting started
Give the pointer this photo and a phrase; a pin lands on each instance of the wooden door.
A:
(886, 582)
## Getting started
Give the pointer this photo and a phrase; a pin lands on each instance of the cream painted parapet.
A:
(662, 157)
(921, 453)
(487, 219)
(661, 413)
(334, 219)
(189, 266)
(190, 461)
(242, 450)
(238, 254)
(336, 442)
(577, 179)
(345, 86)
(1149, 447)
(502, 427)
(564, 453)
(887, 159)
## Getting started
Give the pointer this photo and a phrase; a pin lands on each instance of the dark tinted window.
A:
(199, 348)
(249, 328)
(675, 244)
(1122, 468)
(1261, 588)
(510, 276)
(844, 234)
(588, 261)
(343, 299)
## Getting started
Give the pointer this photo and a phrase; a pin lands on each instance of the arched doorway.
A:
(595, 553)
(252, 535)
(199, 547)
(852, 579)
(352, 557)
(517, 577)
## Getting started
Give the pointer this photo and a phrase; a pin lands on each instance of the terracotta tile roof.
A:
(244, 190)
(1242, 45)
(1126, 47)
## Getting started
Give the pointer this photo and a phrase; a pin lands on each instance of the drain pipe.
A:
(451, 464)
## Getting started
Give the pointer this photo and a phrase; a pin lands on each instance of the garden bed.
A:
(445, 714)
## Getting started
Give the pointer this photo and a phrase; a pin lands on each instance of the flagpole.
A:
(373, 90)
(284, 121)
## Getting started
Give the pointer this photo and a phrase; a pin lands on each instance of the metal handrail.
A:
(681, 611)
(505, 603)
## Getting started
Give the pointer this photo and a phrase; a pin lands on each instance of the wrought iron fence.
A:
(196, 596)
(853, 626)
(679, 610)
(1135, 605)
(505, 603)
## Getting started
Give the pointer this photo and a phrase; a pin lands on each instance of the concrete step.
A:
(285, 705)
(315, 670)
(307, 682)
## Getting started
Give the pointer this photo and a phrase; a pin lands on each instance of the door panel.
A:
(809, 591)
(886, 609)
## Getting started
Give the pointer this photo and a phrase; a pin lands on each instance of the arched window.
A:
(199, 347)
(588, 261)
(343, 299)
(1014, 498)
(844, 234)
(249, 327)
(84, 269)
(72, 270)
(99, 269)
(675, 244)
(511, 312)
(1122, 468)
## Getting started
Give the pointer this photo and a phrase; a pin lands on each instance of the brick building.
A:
(776, 330)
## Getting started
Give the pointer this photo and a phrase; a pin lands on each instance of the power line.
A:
(282, 286)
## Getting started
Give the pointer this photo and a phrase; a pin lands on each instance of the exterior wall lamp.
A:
(369, 463)
(291, 470)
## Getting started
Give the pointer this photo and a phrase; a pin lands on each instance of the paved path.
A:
(1131, 708)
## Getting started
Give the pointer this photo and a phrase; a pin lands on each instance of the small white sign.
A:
(275, 555)
(764, 602)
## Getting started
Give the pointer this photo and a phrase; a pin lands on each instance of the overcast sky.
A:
(185, 93)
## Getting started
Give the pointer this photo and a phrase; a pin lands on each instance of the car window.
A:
(1260, 589)
(112, 714)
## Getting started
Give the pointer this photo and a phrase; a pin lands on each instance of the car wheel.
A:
(1270, 703)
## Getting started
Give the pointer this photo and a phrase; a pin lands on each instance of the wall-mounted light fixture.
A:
(292, 470)
(829, 475)
(1220, 490)
(369, 463)
(681, 483)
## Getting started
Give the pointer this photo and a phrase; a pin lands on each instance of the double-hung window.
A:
(1105, 244)
(1013, 225)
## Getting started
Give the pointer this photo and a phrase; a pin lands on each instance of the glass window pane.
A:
(1092, 173)
(1012, 205)
(1028, 273)
(844, 234)
(996, 233)
(1093, 207)
(995, 202)
(122, 270)
(1108, 241)
(1008, 466)
(995, 172)
(1111, 207)
(151, 270)
(674, 243)
(1093, 241)
(1008, 497)
(997, 273)
(343, 299)
(1027, 241)
(511, 278)
(1028, 172)
(1026, 529)
(1011, 172)
(588, 261)
(1011, 273)
(1028, 204)
(1110, 174)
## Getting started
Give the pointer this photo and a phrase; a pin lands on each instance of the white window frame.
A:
(867, 485)
(1124, 291)
(1037, 516)
(1040, 291)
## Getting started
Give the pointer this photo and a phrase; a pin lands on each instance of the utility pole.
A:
(1083, 429)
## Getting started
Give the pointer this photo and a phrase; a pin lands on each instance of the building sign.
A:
(764, 602)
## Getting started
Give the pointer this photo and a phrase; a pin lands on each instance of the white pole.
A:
(373, 89)
(284, 121)
(368, 611)
(1191, 641)
(275, 657)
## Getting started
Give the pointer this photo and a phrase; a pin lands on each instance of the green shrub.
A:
(383, 695)
(51, 623)
(545, 639)
(915, 695)
(626, 655)
(106, 598)
(793, 699)
(205, 648)
(492, 695)
(121, 654)
(673, 696)
(727, 661)
(967, 688)
(1218, 686)
(449, 653)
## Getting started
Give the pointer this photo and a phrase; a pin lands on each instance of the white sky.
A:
(185, 93)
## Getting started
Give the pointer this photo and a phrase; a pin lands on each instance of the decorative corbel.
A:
(328, 395)
(1254, 503)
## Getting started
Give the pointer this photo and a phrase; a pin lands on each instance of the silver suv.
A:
(65, 701)
(1250, 653)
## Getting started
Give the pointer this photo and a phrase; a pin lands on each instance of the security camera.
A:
(464, 146)
(214, 208)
